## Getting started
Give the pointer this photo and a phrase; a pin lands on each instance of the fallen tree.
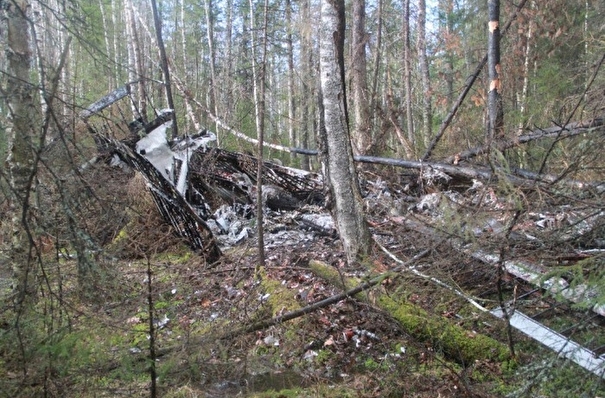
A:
(558, 132)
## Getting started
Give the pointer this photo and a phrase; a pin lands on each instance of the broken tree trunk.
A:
(467, 87)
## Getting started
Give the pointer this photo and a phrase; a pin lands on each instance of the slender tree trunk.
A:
(496, 113)
(135, 42)
(186, 71)
(116, 54)
(291, 109)
(361, 129)
(407, 71)
(449, 57)
(375, 145)
(111, 80)
(587, 33)
(164, 61)
(308, 99)
(526, 65)
(427, 112)
(210, 37)
(259, 108)
(228, 83)
(339, 168)
(391, 116)
(130, 51)
(24, 117)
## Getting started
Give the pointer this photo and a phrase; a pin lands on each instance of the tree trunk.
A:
(407, 71)
(291, 110)
(164, 61)
(258, 80)
(130, 51)
(449, 31)
(377, 139)
(23, 123)
(361, 130)
(111, 77)
(526, 64)
(135, 42)
(308, 100)
(212, 51)
(496, 113)
(427, 113)
(228, 84)
(339, 168)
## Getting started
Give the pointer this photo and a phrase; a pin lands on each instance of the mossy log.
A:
(440, 333)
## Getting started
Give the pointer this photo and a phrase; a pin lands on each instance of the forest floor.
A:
(352, 348)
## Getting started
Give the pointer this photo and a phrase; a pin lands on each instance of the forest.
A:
(312, 198)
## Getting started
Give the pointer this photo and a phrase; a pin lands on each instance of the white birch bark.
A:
(338, 156)
(24, 114)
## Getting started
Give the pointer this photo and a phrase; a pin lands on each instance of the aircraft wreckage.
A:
(189, 179)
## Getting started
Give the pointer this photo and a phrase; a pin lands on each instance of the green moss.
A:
(281, 299)
(456, 342)
(317, 391)
(331, 275)
(453, 340)
(323, 356)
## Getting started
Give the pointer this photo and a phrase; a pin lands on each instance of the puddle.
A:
(255, 383)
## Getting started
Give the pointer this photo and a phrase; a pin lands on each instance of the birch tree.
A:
(259, 78)
(339, 169)
(23, 124)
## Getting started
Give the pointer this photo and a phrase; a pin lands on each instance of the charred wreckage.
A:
(192, 183)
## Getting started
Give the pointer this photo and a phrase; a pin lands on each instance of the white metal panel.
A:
(556, 342)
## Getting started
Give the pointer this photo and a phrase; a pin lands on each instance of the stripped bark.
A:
(494, 98)
(467, 87)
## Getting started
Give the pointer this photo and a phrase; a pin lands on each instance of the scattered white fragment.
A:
(270, 340)
(309, 355)
(160, 324)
